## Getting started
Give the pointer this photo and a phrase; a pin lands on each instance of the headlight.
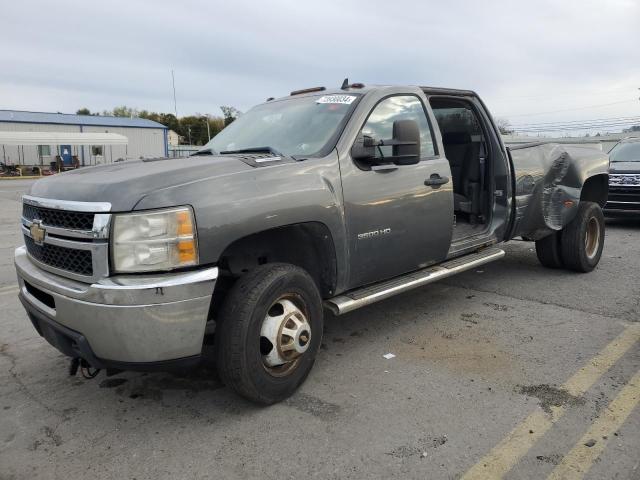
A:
(154, 240)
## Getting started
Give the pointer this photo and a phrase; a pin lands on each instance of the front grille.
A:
(623, 198)
(632, 191)
(76, 261)
(617, 205)
(59, 218)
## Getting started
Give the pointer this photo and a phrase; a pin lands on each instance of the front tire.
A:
(583, 238)
(269, 332)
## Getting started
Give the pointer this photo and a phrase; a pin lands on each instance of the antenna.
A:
(173, 82)
(345, 84)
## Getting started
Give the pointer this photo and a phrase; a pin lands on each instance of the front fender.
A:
(236, 206)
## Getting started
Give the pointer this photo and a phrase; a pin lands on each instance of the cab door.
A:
(399, 218)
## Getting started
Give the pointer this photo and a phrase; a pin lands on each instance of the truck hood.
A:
(625, 167)
(124, 184)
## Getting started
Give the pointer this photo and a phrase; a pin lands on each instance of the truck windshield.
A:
(297, 126)
(625, 152)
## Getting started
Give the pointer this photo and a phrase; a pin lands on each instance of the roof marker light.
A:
(308, 90)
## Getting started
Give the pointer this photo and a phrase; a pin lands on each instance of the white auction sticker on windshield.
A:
(343, 99)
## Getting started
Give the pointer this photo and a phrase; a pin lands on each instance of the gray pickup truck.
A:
(324, 199)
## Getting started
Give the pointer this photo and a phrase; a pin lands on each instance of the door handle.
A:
(436, 180)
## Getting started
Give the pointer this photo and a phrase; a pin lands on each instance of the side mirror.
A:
(406, 142)
(405, 145)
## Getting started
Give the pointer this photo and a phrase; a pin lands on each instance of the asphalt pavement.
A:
(510, 370)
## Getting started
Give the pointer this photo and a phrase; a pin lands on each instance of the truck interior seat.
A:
(458, 149)
(471, 178)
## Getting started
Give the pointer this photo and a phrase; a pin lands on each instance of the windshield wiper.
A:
(206, 151)
(267, 149)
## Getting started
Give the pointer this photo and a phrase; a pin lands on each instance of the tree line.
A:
(192, 129)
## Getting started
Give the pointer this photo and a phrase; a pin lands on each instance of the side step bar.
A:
(373, 293)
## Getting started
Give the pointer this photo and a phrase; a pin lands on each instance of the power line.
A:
(586, 107)
(588, 120)
(584, 126)
(578, 125)
(575, 129)
(571, 93)
(573, 125)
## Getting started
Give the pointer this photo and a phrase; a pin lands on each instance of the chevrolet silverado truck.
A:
(320, 200)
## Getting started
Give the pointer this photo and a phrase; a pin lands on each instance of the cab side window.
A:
(379, 125)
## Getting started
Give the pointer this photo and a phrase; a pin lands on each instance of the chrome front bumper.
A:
(124, 319)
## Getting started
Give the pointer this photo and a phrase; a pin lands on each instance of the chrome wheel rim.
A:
(285, 336)
(592, 238)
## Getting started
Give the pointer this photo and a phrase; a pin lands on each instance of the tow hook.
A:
(85, 367)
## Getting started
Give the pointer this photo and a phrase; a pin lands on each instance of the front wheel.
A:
(583, 238)
(269, 332)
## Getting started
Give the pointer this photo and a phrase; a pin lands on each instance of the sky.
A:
(533, 62)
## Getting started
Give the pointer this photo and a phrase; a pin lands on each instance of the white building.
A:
(146, 138)
(174, 138)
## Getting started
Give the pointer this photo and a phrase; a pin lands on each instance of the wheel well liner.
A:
(596, 189)
(308, 245)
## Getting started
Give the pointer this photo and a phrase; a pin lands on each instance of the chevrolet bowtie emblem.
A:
(37, 232)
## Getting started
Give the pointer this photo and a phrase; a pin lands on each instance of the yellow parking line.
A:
(579, 460)
(587, 375)
(519, 441)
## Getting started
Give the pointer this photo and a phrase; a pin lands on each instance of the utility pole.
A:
(206, 119)
(173, 82)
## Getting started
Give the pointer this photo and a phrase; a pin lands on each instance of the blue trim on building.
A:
(160, 126)
(17, 116)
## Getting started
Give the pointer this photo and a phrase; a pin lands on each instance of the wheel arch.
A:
(595, 189)
(308, 245)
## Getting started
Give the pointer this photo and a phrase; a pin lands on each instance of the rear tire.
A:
(272, 299)
(549, 250)
(583, 238)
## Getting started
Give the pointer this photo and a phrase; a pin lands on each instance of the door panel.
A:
(395, 222)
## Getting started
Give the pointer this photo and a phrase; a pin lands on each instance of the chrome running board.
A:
(373, 293)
